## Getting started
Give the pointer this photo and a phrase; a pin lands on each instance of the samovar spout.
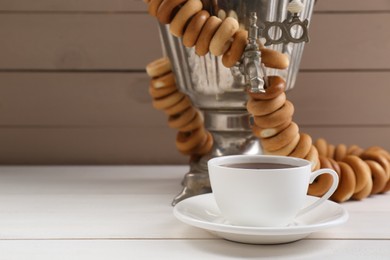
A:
(251, 66)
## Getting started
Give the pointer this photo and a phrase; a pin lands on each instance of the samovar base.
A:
(232, 135)
(196, 181)
(193, 184)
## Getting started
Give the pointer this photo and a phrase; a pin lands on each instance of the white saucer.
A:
(201, 211)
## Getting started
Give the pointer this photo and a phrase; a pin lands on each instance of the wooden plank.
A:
(78, 41)
(139, 5)
(352, 5)
(121, 99)
(193, 249)
(77, 99)
(49, 203)
(217, 249)
(362, 136)
(108, 42)
(72, 5)
(114, 195)
(142, 145)
(348, 42)
(108, 145)
(353, 98)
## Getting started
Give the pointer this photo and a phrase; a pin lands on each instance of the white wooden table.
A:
(125, 213)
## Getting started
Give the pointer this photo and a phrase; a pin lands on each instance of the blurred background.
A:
(73, 88)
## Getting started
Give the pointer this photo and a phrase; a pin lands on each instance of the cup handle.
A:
(326, 196)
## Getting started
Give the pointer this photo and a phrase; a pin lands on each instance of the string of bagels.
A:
(362, 172)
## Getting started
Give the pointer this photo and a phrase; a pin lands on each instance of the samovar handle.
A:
(250, 65)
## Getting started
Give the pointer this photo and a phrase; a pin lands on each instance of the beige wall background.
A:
(73, 88)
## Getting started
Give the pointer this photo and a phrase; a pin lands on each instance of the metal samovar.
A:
(220, 93)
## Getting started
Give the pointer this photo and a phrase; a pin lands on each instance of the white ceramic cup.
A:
(264, 197)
